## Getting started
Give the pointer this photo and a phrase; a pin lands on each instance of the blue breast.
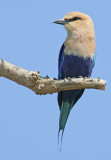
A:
(74, 66)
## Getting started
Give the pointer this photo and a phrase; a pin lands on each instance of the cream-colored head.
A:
(80, 30)
(78, 23)
(81, 22)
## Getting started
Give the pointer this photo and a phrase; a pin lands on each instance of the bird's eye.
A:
(74, 19)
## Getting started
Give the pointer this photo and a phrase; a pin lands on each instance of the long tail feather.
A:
(65, 110)
(61, 136)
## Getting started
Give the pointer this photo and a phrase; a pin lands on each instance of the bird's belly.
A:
(75, 66)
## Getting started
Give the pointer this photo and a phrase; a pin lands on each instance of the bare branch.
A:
(40, 85)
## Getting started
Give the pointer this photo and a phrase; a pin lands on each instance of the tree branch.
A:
(40, 85)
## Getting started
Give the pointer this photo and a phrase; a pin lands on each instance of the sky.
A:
(29, 122)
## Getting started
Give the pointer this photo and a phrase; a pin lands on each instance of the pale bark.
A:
(40, 85)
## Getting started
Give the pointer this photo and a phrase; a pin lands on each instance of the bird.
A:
(76, 59)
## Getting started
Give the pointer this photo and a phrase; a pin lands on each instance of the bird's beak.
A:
(60, 21)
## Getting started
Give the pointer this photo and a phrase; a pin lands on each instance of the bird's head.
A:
(77, 22)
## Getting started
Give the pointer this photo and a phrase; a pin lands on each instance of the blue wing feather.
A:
(60, 73)
(60, 64)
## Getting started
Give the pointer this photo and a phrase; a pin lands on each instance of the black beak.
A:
(60, 21)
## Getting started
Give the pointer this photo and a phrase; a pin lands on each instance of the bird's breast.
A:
(81, 48)
(75, 66)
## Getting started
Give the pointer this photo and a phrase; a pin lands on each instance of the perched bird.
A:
(76, 58)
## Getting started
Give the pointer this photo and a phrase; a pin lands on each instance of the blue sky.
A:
(29, 122)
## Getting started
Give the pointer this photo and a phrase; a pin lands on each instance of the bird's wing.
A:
(78, 96)
(60, 64)
(60, 72)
